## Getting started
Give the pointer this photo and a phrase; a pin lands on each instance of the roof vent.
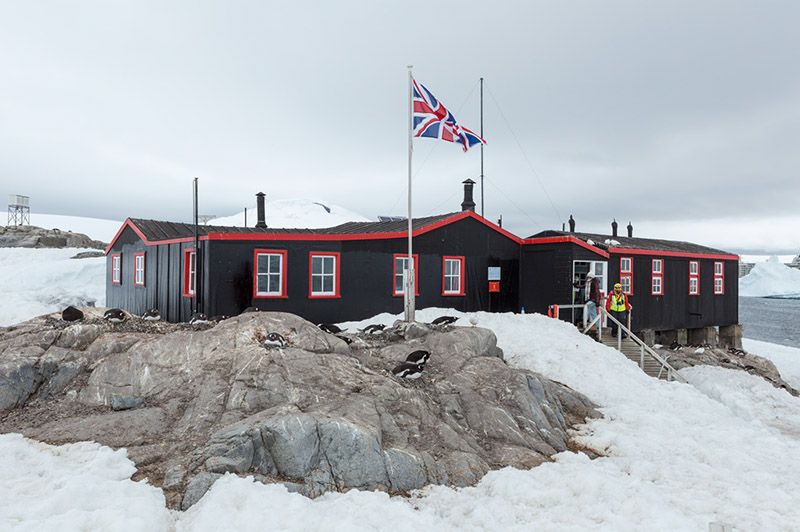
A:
(630, 230)
(614, 227)
(468, 204)
(262, 217)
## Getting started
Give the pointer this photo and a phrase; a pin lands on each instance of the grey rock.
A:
(173, 478)
(123, 402)
(197, 486)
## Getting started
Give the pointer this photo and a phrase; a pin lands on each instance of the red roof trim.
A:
(673, 254)
(311, 237)
(562, 239)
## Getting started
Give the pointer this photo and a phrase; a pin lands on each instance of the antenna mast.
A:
(482, 147)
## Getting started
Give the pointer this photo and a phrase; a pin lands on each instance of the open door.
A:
(580, 268)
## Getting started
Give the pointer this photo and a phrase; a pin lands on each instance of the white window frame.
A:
(627, 283)
(273, 258)
(719, 278)
(332, 259)
(694, 277)
(116, 268)
(657, 286)
(401, 276)
(138, 269)
(457, 277)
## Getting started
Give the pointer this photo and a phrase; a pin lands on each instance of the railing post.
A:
(641, 357)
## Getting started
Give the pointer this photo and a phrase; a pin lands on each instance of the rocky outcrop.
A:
(28, 236)
(317, 415)
(682, 356)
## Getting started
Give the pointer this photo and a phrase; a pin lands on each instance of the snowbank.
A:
(40, 281)
(771, 278)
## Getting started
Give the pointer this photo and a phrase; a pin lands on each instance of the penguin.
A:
(151, 315)
(419, 357)
(114, 315)
(372, 329)
(444, 320)
(251, 309)
(274, 340)
(198, 318)
(346, 340)
(217, 319)
(329, 328)
(408, 370)
(71, 314)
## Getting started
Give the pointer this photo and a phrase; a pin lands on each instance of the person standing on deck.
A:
(617, 305)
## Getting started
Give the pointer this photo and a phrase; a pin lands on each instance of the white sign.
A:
(494, 273)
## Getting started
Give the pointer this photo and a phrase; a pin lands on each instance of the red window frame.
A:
(189, 275)
(719, 276)
(626, 275)
(116, 268)
(694, 264)
(461, 281)
(396, 256)
(284, 266)
(336, 258)
(136, 269)
(657, 275)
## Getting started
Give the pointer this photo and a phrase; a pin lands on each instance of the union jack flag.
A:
(432, 119)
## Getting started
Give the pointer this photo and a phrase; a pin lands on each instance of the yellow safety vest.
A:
(618, 303)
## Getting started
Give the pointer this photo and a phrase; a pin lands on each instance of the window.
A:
(453, 276)
(116, 268)
(657, 277)
(189, 272)
(400, 271)
(719, 278)
(270, 273)
(138, 269)
(323, 275)
(626, 274)
(694, 277)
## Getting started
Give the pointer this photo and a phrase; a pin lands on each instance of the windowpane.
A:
(262, 284)
(328, 265)
(316, 265)
(263, 263)
(327, 284)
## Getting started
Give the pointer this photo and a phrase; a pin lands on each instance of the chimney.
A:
(468, 204)
(571, 224)
(630, 230)
(262, 217)
(614, 227)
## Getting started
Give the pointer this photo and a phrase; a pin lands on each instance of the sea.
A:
(771, 320)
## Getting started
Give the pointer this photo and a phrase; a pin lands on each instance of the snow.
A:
(294, 213)
(41, 281)
(724, 448)
(771, 278)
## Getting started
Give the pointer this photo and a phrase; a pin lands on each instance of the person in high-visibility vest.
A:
(617, 305)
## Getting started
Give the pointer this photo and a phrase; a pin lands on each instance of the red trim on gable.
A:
(127, 223)
(672, 254)
(336, 269)
(563, 239)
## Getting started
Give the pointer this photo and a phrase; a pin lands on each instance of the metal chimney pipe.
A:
(614, 227)
(468, 204)
(262, 217)
(571, 224)
(630, 230)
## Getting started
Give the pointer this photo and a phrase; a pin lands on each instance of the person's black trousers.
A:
(622, 316)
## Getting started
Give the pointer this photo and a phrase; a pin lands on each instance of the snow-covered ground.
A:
(725, 448)
(770, 278)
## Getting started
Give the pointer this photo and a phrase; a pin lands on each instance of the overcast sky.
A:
(682, 117)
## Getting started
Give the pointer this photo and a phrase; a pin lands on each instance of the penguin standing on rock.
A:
(419, 357)
(151, 315)
(408, 371)
(71, 314)
(274, 339)
(114, 315)
(329, 328)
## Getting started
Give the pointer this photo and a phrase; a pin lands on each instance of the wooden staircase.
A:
(634, 352)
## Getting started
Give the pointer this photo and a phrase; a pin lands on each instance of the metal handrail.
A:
(672, 373)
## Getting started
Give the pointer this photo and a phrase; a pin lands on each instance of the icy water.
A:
(771, 320)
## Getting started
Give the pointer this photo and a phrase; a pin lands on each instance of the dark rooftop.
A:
(645, 244)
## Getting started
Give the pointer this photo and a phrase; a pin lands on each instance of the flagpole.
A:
(409, 288)
(482, 215)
